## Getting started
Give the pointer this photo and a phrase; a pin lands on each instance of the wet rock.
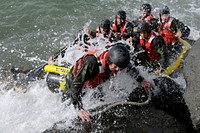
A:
(149, 119)
(125, 119)
(192, 76)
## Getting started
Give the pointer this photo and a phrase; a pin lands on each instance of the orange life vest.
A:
(99, 32)
(146, 19)
(165, 31)
(101, 59)
(152, 54)
(122, 29)
(107, 36)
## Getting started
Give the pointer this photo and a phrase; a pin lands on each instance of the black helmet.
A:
(121, 14)
(146, 7)
(119, 55)
(164, 10)
(105, 23)
(144, 27)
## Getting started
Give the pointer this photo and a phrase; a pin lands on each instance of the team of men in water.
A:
(159, 37)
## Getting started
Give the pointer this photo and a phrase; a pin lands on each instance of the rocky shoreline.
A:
(192, 75)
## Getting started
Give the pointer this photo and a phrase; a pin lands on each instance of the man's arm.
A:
(88, 69)
(129, 31)
(159, 45)
(178, 26)
(133, 72)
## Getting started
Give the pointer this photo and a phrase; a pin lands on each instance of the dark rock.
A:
(167, 112)
(125, 119)
(192, 76)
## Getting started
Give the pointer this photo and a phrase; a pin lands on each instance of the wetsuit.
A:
(169, 28)
(158, 45)
(177, 25)
(125, 30)
(150, 19)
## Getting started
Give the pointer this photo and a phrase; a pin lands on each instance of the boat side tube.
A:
(56, 77)
(170, 69)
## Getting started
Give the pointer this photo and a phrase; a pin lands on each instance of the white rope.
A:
(131, 103)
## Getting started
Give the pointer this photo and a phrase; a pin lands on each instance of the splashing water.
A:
(38, 108)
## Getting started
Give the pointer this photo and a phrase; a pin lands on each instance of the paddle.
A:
(34, 74)
(30, 76)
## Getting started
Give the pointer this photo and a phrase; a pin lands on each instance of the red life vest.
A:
(146, 19)
(122, 29)
(152, 54)
(165, 31)
(99, 32)
(101, 59)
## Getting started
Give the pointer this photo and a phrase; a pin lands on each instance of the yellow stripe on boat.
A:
(57, 69)
(170, 69)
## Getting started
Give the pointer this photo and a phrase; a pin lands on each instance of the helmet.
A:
(144, 27)
(105, 23)
(164, 10)
(121, 14)
(146, 7)
(119, 55)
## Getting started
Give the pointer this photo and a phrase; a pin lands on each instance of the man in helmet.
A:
(171, 28)
(122, 28)
(154, 46)
(103, 28)
(95, 67)
(146, 16)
